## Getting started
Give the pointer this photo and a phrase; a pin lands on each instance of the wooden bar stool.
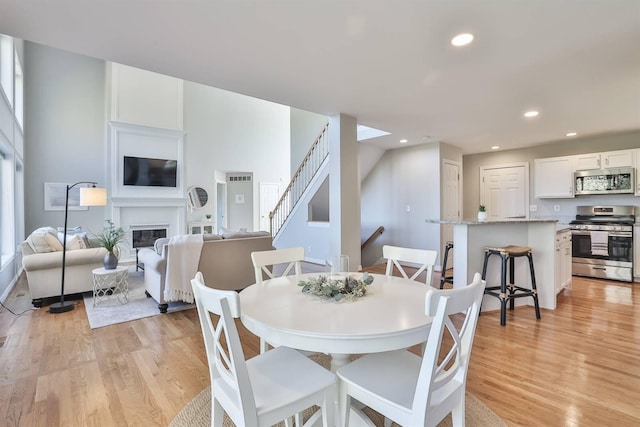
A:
(509, 291)
(443, 277)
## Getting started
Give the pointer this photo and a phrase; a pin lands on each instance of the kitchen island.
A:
(471, 236)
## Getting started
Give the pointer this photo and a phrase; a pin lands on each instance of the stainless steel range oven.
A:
(603, 242)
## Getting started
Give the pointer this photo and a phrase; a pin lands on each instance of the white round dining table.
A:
(390, 316)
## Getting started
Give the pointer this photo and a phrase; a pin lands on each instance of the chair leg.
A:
(503, 292)
(345, 404)
(264, 346)
(217, 413)
(484, 265)
(328, 409)
(443, 278)
(533, 286)
(457, 414)
(512, 281)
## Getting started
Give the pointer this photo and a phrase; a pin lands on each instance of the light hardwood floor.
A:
(578, 366)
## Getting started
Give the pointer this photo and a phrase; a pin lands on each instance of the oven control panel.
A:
(601, 227)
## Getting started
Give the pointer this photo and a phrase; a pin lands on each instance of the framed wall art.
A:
(55, 193)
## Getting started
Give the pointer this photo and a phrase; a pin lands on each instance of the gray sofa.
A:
(225, 262)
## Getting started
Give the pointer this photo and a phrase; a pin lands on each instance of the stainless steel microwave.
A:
(604, 181)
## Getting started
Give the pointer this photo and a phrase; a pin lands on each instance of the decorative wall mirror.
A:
(198, 197)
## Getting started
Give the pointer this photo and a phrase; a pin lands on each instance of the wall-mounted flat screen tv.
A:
(150, 172)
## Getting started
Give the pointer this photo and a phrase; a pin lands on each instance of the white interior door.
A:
(451, 203)
(221, 206)
(504, 190)
(269, 196)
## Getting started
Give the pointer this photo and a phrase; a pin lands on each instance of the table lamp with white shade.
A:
(89, 196)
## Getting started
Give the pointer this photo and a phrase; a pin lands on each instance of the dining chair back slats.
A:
(266, 389)
(226, 359)
(262, 260)
(423, 259)
(386, 382)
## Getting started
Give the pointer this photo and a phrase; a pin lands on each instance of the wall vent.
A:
(240, 178)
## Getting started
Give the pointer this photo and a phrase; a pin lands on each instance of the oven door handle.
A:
(611, 233)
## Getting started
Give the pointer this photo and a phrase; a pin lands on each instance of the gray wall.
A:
(404, 177)
(472, 164)
(231, 133)
(66, 120)
(65, 128)
(240, 212)
(305, 128)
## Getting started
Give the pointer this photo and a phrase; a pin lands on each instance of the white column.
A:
(344, 189)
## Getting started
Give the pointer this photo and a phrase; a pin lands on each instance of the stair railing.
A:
(300, 181)
(373, 236)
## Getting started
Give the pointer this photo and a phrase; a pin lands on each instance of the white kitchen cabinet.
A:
(553, 177)
(636, 253)
(636, 165)
(606, 160)
(563, 260)
(587, 161)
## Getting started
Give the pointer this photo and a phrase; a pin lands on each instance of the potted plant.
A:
(109, 239)
(208, 216)
(482, 213)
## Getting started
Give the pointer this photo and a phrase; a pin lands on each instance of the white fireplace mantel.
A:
(131, 213)
(148, 202)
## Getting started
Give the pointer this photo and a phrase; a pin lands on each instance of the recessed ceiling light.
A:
(530, 114)
(571, 134)
(462, 39)
(404, 141)
(495, 147)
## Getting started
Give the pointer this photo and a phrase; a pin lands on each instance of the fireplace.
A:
(145, 237)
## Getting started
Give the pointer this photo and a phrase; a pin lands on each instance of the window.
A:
(19, 92)
(6, 66)
(19, 193)
(7, 232)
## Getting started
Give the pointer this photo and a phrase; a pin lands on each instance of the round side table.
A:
(111, 282)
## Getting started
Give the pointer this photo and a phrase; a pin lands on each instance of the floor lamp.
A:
(89, 196)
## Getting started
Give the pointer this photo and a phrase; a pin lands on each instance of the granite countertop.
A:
(502, 221)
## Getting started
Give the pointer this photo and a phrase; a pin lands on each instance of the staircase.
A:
(308, 168)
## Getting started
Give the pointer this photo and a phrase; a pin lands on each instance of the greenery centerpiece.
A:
(109, 239)
(348, 288)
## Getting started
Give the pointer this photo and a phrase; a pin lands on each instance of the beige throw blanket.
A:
(182, 266)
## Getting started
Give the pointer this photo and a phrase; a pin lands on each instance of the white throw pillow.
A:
(37, 242)
(53, 242)
(76, 242)
(44, 240)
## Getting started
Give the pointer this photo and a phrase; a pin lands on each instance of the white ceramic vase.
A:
(482, 216)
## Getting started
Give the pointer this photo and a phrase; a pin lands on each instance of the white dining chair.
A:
(264, 260)
(424, 260)
(412, 390)
(265, 389)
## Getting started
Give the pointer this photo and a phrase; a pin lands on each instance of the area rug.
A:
(110, 311)
(197, 413)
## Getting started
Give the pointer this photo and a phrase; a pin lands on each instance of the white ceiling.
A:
(388, 63)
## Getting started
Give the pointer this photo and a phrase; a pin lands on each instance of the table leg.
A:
(357, 418)
(339, 360)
